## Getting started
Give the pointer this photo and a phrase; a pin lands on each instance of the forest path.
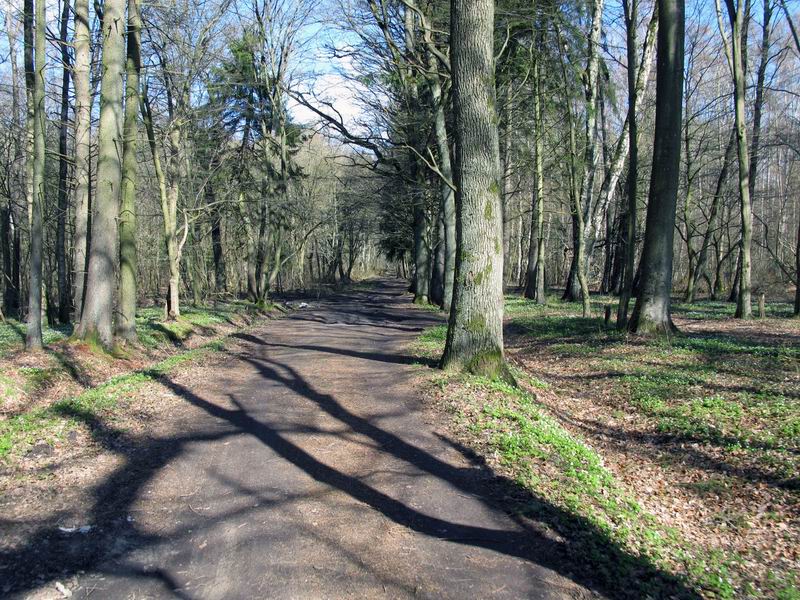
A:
(303, 465)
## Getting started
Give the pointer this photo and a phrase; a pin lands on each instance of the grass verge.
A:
(52, 422)
(631, 553)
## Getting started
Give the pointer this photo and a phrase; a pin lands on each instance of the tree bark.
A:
(220, 276)
(651, 315)
(98, 311)
(437, 274)
(797, 273)
(33, 337)
(505, 161)
(535, 284)
(448, 206)
(83, 109)
(582, 202)
(475, 331)
(64, 295)
(12, 239)
(636, 85)
(737, 18)
(126, 322)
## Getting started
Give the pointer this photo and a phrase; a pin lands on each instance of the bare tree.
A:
(33, 338)
(98, 311)
(651, 315)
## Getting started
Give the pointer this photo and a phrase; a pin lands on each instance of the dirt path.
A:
(302, 466)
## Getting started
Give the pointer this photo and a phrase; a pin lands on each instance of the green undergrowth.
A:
(12, 335)
(49, 422)
(570, 490)
(52, 422)
(735, 392)
(713, 309)
(153, 330)
(721, 391)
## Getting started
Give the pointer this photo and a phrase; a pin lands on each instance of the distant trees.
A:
(208, 175)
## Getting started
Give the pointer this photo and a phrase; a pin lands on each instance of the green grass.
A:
(722, 390)
(150, 325)
(715, 389)
(154, 331)
(711, 309)
(430, 343)
(37, 378)
(608, 526)
(12, 335)
(53, 421)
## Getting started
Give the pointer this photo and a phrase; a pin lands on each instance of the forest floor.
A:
(36, 389)
(321, 455)
(293, 461)
(685, 453)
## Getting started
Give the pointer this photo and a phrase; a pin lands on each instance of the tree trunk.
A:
(170, 214)
(97, 318)
(797, 273)
(636, 85)
(535, 285)
(737, 17)
(83, 108)
(126, 323)
(505, 162)
(12, 239)
(220, 277)
(33, 337)
(582, 208)
(475, 330)
(448, 207)
(437, 275)
(737, 277)
(168, 198)
(422, 254)
(98, 310)
(7, 252)
(651, 315)
(64, 295)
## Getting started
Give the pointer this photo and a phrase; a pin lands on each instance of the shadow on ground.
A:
(48, 554)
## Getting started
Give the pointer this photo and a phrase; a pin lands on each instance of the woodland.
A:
(599, 200)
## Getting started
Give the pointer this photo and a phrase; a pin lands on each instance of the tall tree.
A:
(13, 217)
(651, 315)
(33, 337)
(583, 205)
(535, 283)
(126, 322)
(735, 53)
(475, 331)
(83, 117)
(796, 39)
(637, 80)
(64, 293)
(98, 310)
